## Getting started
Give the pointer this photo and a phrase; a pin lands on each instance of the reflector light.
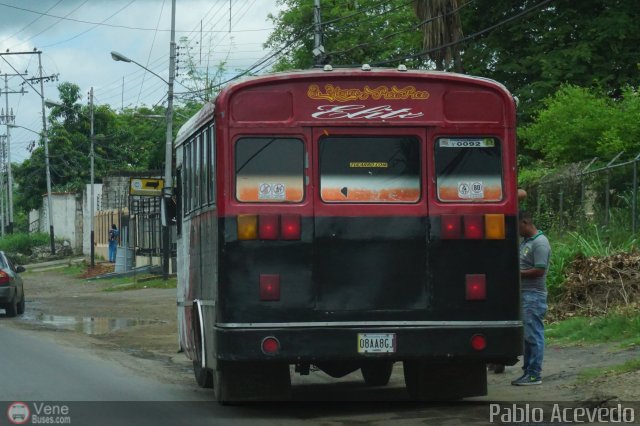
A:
(270, 345)
(478, 342)
(494, 226)
(269, 287)
(476, 286)
(290, 228)
(473, 227)
(4, 277)
(450, 227)
(247, 227)
(268, 227)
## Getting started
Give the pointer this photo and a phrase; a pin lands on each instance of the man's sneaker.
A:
(527, 380)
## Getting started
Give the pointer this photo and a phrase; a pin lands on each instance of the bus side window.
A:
(468, 169)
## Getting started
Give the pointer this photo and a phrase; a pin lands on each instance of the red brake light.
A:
(269, 287)
(268, 228)
(4, 277)
(450, 227)
(270, 345)
(290, 228)
(473, 227)
(478, 342)
(476, 286)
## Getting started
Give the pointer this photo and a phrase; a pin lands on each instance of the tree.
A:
(588, 43)
(578, 124)
(442, 27)
(355, 32)
(127, 141)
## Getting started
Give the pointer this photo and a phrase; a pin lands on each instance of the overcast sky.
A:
(80, 51)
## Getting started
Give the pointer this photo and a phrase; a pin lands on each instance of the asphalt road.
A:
(105, 387)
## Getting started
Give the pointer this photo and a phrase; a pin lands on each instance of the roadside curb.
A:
(53, 264)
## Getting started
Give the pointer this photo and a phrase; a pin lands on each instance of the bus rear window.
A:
(370, 169)
(468, 169)
(269, 170)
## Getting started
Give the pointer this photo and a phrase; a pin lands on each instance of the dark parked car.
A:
(11, 288)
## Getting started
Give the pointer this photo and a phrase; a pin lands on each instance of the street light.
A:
(51, 104)
(168, 184)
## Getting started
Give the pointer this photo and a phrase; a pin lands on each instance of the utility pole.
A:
(3, 139)
(9, 118)
(46, 157)
(168, 155)
(318, 48)
(92, 209)
(41, 79)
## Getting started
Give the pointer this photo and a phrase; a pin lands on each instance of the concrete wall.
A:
(67, 218)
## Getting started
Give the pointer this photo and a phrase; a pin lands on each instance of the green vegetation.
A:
(622, 327)
(75, 269)
(614, 370)
(22, 243)
(141, 284)
(592, 240)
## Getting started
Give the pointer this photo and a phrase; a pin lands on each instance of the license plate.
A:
(380, 343)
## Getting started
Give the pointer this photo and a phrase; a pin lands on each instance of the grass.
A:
(23, 242)
(75, 269)
(140, 284)
(622, 327)
(591, 373)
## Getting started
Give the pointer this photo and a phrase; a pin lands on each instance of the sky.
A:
(78, 50)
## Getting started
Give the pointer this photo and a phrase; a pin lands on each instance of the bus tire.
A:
(377, 373)
(204, 376)
(439, 381)
(236, 382)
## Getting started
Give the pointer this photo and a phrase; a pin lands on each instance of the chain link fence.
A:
(586, 193)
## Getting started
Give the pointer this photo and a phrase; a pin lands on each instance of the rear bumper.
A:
(308, 343)
(7, 294)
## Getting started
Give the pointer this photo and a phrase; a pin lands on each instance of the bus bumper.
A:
(311, 344)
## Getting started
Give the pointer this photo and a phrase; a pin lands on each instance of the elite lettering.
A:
(354, 112)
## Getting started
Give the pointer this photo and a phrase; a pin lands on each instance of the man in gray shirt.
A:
(535, 253)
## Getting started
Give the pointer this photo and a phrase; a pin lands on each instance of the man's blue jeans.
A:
(534, 306)
(113, 245)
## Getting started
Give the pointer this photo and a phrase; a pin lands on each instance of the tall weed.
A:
(22, 243)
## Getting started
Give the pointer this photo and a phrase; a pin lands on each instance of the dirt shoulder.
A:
(143, 323)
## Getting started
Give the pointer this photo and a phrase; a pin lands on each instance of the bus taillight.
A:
(290, 228)
(494, 226)
(268, 228)
(247, 227)
(476, 286)
(451, 227)
(269, 287)
(473, 227)
(478, 342)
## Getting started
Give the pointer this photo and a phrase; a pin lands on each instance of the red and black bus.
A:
(349, 219)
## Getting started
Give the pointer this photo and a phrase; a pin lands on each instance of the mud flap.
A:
(251, 381)
(432, 381)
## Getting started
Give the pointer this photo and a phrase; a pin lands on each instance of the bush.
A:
(22, 243)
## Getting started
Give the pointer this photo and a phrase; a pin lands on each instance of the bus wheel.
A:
(377, 373)
(204, 376)
(251, 381)
(432, 381)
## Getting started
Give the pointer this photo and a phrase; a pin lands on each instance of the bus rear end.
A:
(366, 218)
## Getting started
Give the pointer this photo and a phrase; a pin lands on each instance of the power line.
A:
(469, 37)
(30, 23)
(65, 18)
